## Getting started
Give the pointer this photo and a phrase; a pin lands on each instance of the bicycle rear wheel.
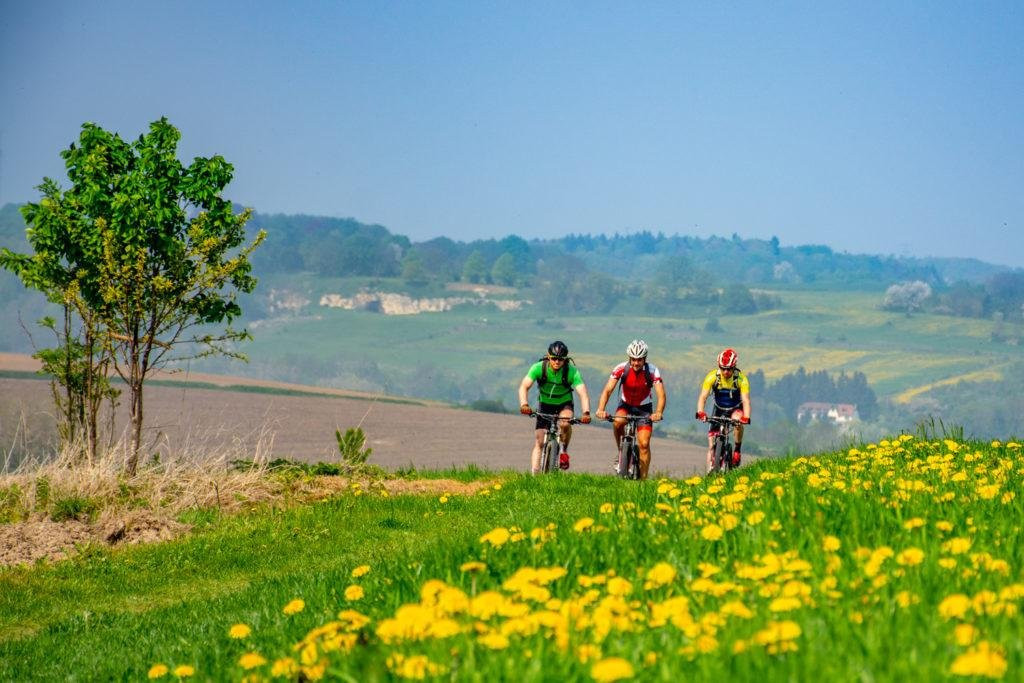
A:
(549, 456)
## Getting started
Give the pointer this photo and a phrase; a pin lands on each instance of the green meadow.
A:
(883, 562)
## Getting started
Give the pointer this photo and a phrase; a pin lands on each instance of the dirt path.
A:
(199, 420)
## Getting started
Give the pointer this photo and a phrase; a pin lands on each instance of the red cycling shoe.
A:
(563, 461)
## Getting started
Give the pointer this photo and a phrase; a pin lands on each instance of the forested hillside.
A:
(878, 332)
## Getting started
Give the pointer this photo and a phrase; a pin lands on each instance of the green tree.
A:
(164, 254)
(413, 271)
(504, 271)
(475, 268)
(79, 365)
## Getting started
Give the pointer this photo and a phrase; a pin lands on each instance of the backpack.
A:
(734, 393)
(565, 373)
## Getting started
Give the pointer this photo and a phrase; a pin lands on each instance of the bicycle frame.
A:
(721, 454)
(629, 451)
(549, 448)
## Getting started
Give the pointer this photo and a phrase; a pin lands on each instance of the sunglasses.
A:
(554, 358)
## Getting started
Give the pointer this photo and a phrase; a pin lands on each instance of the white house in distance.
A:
(836, 413)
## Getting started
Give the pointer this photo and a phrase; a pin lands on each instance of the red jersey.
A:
(634, 390)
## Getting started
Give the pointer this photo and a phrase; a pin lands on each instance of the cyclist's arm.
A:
(581, 389)
(524, 390)
(746, 404)
(606, 393)
(702, 399)
(659, 390)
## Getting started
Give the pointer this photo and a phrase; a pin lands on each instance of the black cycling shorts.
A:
(551, 409)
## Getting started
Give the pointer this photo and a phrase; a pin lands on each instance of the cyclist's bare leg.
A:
(535, 455)
(711, 448)
(643, 442)
(565, 433)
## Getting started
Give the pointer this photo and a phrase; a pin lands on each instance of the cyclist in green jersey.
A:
(556, 378)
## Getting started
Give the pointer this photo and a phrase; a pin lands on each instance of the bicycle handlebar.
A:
(630, 418)
(723, 420)
(551, 417)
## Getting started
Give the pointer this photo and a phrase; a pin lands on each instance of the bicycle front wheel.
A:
(549, 456)
(625, 450)
(718, 458)
(634, 462)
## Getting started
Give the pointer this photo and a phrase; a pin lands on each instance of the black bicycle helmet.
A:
(558, 349)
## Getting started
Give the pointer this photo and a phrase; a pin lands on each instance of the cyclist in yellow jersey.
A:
(731, 392)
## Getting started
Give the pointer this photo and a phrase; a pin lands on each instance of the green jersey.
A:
(552, 388)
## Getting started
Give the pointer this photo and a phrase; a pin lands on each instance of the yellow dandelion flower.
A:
(661, 574)
(711, 532)
(497, 537)
(954, 606)
(184, 671)
(284, 668)
(981, 660)
(831, 544)
(965, 634)
(361, 570)
(755, 518)
(497, 487)
(158, 671)
(354, 592)
(493, 641)
(606, 508)
(472, 566)
(294, 607)
(442, 500)
(251, 660)
(611, 669)
(729, 521)
(583, 524)
(619, 586)
(784, 604)
(957, 546)
(587, 652)
(910, 556)
(239, 631)
(943, 525)
(914, 523)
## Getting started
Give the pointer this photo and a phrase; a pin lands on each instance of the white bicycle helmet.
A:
(637, 349)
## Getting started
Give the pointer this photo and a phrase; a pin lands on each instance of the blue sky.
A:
(870, 127)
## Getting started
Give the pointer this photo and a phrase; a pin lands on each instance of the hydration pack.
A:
(565, 373)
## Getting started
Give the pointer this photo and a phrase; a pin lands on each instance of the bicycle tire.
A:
(727, 458)
(634, 462)
(549, 456)
(718, 457)
(625, 448)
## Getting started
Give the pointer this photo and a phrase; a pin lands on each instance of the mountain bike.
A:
(550, 449)
(629, 452)
(721, 454)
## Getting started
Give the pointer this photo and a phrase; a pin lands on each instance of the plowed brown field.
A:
(202, 420)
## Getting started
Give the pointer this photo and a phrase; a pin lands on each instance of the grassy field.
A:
(484, 351)
(883, 562)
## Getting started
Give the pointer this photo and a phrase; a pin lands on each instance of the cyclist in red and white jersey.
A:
(640, 383)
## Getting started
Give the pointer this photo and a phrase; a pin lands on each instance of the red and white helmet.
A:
(727, 359)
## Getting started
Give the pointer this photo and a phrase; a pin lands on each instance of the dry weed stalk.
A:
(199, 474)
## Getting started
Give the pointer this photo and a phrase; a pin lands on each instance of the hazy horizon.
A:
(875, 128)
